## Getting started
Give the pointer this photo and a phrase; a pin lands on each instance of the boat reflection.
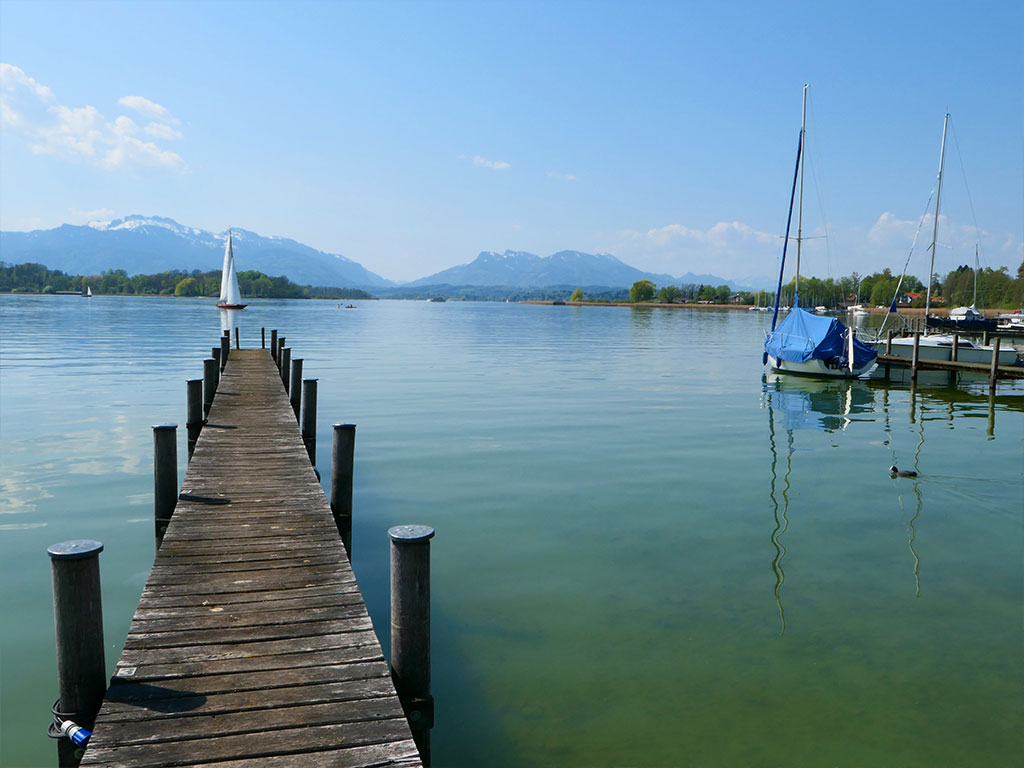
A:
(228, 320)
(796, 403)
(822, 404)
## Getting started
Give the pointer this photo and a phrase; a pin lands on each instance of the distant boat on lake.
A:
(88, 292)
(230, 297)
(803, 342)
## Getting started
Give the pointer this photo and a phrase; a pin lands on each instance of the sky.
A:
(410, 136)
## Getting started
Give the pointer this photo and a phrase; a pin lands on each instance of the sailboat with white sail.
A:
(230, 297)
(803, 342)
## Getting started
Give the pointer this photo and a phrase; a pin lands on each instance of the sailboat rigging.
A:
(230, 297)
(803, 342)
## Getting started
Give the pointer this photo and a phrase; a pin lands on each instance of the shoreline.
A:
(905, 311)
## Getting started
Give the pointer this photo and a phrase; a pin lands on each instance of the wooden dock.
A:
(251, 644)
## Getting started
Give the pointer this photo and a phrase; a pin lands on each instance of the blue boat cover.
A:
(802, 336)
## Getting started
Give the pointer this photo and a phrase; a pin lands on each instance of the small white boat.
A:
(939, 346)
(88, 292)
(230, 298)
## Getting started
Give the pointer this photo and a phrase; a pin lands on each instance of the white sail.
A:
(226, 272)
(232, 296)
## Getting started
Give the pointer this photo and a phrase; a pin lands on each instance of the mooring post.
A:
(263, 338)
(341, 481)
(955, 354)
(295, 388)
(994, 370)
(286, 361)
(888, 341)
(225, 350)
(209, 384)
(309, 418)
(238, 343)
(914, 358)
(984, 338)
(410, 628)
(273, 344)
(165, 476)
(194, 419)
(280, 349)
(78, 621)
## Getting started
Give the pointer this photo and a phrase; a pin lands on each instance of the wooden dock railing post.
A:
(78, 621)
(165, 476)
(194, 418)
(273, 344)
(209, 384)
(280, 349)
(955, 354)
(341, 481)
(295, 387)
(263, 338)
(888, 341)
(225, 350)
(994, 370)
(238, 342)
(410, 628)
(309, 418)
(286, 366)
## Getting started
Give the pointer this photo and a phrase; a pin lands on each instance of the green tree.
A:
(642, 290)
(187, 287)
(577, 295)
(669, 293)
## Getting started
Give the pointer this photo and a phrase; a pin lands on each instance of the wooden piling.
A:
(309, 418)
(194, 418)
(342, 461)
(295, 387)
(984, 338)
(263, 338)
(238, 343)
(888, 341)
(955, 354)
(286, 359)
(165, 476)
(273, 344)
(78, 622)
(225, 350)
(209, 384)
(994, 371)
(410, 628)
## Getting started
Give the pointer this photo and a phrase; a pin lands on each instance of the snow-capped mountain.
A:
(149, 244)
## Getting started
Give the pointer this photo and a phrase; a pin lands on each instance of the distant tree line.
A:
(996, 289)
(35, 278)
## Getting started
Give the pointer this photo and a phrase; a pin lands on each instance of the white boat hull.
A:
(815, 367)
(941, 348)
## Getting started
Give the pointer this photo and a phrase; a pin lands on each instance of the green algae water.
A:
(648, 553)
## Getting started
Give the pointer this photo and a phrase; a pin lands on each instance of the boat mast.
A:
(974, 301)
(935, 224)
(800, 208)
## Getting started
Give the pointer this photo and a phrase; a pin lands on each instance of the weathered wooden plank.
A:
(251, 642)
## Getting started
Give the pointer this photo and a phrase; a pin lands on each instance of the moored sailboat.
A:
(230, 297)
(803, 342)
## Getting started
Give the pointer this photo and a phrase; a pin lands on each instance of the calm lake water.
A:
(647, 553)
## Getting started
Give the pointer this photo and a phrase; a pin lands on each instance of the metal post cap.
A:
(408, 534)
(74, 550)
(165, 426)
(344, 426)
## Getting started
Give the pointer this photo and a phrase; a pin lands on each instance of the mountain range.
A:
(151, 244)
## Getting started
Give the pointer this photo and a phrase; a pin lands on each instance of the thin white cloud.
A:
(494, 165)
(76, 216)
(149, 108)
(81, 134)
(562, 176)
(161, 131)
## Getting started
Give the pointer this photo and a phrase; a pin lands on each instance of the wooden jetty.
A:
(251, 644)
